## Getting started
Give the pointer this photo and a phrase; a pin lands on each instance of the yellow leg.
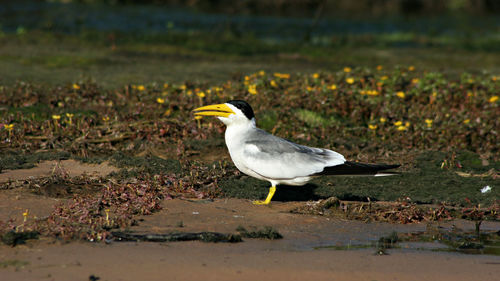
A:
(270, 195)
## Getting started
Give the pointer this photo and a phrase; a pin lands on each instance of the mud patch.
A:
(268, 232)
(11, 160)
(435, 238)
(68, 167)
(64, 187)
(213, 237)
(13, 238)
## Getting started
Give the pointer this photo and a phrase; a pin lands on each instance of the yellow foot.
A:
(260, 202)
(270, 195)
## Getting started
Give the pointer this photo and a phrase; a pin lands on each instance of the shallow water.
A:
(74, 18)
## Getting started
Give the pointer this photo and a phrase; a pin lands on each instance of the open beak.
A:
(221, 110)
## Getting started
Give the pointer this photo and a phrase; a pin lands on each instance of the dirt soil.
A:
(47, 168)
(302, 254)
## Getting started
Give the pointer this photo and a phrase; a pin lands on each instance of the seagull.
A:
(264, 156)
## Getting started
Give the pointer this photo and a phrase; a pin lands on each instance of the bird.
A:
(264, 156)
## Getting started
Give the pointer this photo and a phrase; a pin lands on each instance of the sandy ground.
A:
(251, 260)
(46, 168)
(302, 254)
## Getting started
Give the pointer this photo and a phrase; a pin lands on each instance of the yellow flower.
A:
(200, 94)
(372, 93)
(407, 124)
(310, 89)
(398, 123)
(105, 118)
(25, 215)
(385, 77)
(349, 80)
(76, 86)
(347, 69)
(56, 117)
(466, 121)
(382, 120)
(402, 128)
(494, 78)
(70, 116)
(183, 87)
(401, 94)
(252, 89)
(379, 84)
(333, 87)
(141, 88)
(493, 99)
(429, 122)
(165, 85)
(189, 93)
(168, 112)
(282, 75)
(262, 73)
(379, 67)
(315, 75)
(434, 94)
(160, 100)
(9, 127)
(198, 117)
(470, 94)
(274, 84)
(411, 68)
(247, 78)
(372, 127)
(415, 80)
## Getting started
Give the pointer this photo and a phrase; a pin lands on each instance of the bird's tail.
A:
(359, 169)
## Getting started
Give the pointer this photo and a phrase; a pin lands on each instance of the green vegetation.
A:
(131, 59)
(430, 123)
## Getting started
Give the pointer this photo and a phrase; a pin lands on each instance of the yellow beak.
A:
(214, 110)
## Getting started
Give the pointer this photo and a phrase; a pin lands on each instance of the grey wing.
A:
(277, 158)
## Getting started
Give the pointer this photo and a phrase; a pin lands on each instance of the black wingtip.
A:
(355, 168)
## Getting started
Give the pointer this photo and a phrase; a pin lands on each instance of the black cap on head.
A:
(244, 107)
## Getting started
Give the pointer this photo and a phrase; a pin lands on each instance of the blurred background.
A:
(115, 42)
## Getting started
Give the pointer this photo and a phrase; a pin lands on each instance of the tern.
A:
(264, 156)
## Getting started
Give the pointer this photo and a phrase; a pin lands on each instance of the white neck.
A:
(237, 130)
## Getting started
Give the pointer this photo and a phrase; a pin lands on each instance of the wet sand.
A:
(251, 260)
(300, 255)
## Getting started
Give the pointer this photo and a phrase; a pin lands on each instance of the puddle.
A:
(433, 239)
